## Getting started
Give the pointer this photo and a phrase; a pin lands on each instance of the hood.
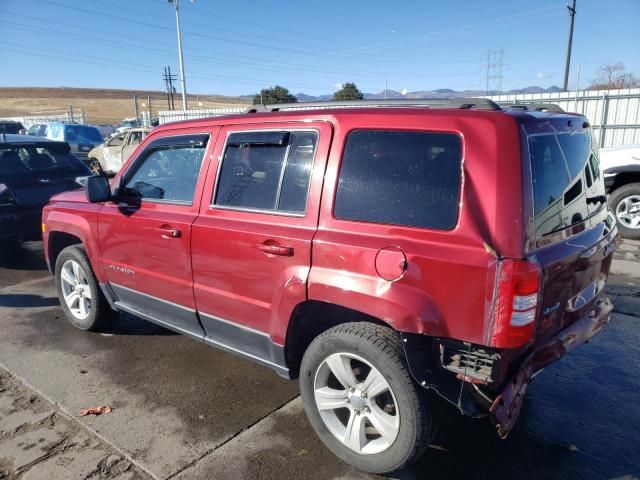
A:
(96, 152)
(619, 157)
(76, 196)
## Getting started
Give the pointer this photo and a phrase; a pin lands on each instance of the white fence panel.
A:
(613, 114)
(177, 115)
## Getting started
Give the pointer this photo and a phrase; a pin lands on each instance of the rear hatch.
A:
(572, 233)
(32, 173)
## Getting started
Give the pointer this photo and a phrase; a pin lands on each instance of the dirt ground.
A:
(38, 441)
(100, 105)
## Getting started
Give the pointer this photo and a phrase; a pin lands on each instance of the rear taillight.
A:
(6, 197)
(516, 305)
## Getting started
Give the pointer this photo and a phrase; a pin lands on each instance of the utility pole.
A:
(182, 79)
(169, 78)
(149, 107)
(135, 108)
(386, 87)
(572, 14)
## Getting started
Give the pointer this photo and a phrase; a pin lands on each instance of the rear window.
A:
(82, 134)
(566, 179)
(19, 160)
(400, 178)
(10, 127)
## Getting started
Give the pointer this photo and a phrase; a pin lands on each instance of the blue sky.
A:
(239, 47)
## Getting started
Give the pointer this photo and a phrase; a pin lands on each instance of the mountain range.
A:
(439, 93)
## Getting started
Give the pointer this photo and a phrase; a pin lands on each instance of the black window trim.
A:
(264, 211)
(400, 225)
(156, 144)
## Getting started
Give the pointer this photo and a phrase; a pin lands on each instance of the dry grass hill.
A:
(100, 105)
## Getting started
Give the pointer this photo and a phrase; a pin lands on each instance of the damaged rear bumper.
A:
(506, 407)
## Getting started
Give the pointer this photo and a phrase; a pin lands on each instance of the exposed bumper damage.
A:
(506, 406)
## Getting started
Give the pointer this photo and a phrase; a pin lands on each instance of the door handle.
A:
(169, 232)
(275, 249)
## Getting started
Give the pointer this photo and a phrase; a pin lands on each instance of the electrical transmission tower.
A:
(169, 80)
(495, 65)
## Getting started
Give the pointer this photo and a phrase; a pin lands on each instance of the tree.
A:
(349, 91)
(614, 75)
(277, 94)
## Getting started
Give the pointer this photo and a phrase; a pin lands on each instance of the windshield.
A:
(82, 134)
(567, 184)
(24, 159)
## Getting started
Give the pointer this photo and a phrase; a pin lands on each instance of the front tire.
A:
(81, 298)
(625, 203)
(361, 399)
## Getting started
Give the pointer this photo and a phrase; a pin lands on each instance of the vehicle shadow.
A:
(26, 257)
(125, 324)
(26, 300)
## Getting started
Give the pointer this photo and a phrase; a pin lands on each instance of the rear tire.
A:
(391, 410)
(81, 298)
(625, 203)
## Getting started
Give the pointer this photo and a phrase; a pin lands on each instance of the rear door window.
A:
(566, 180)
(267, 171)
(400, 178)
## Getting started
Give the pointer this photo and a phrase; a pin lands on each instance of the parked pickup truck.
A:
(621, 168)
(375, 251)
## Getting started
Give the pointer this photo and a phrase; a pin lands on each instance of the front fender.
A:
(81, 224)
(403, 307)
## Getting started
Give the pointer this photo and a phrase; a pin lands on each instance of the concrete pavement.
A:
(184, 410)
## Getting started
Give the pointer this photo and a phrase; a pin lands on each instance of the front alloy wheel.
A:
(356, 403)
(83, 303)
(628, 211)
(75, 289)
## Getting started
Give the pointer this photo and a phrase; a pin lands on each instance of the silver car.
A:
(81, 138)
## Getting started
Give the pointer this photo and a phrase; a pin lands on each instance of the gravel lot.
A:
(184, 410)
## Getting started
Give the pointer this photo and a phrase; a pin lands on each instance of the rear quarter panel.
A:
(447, 287)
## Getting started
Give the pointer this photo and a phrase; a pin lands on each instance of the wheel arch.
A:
(312, 318)
(58, 241)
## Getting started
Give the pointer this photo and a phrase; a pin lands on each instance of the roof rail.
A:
(464, 103)
(535, 107)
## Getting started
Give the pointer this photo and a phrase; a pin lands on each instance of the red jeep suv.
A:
(374, 250)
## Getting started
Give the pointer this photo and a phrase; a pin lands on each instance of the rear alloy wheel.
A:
(625, 201)
(80, 296)
(361, 399)
(363, 415)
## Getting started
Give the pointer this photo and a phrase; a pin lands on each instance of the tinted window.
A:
(25, 159)
(10, 127)
(564, 172)
(267, 170)
(400, 178)
(166, 173)
(82, 134)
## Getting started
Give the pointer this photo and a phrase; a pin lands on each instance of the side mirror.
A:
(98, 189)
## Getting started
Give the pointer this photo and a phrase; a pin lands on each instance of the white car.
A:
(110, 156)
(621, 167)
